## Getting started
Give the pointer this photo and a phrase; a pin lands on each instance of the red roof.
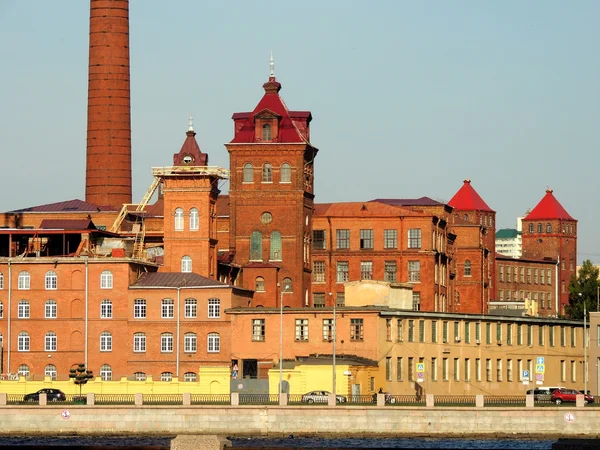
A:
(292, 126)
(68, 206)
(548, 208)
(467, 199)
(67, 224)
(191, 148)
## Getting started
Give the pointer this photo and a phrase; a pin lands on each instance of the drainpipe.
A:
(556, 283)
(9, 314)
(332, 270)
(177, 334)
(85, 344)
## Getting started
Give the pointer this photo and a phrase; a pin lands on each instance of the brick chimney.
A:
(108, 161)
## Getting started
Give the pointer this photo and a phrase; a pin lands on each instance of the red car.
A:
(570, 395)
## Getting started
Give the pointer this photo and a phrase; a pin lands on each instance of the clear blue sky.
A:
(408, 98)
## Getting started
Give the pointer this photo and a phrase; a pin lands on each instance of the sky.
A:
(408, 98)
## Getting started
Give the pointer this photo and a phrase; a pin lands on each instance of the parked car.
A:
(569, 395)
(321, 397)
(543, 393)
(52, 395)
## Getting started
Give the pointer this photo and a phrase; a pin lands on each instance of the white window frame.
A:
(166, 343)
(24, 341)
(194, 219)
(139, 308)
(139, 343)
(24, 309)
(166, 376)
(167, 310)
(214, 308)
(186, 264)
(106, 309)
(50, 371)
(106, 372)
(105, 341)
(190, 343)
(106, 280)
(50, 342)
(190, 377)
(191, 308)
(51, 280)
(178, 216)
(50, 309)
(213, 344)
(24, 281)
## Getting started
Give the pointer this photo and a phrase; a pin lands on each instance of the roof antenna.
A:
(272, 66)
(191, 122)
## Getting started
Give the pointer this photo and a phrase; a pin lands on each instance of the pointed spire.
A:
(191, 122)
(548, 208)
(467, 199)
(272, 66)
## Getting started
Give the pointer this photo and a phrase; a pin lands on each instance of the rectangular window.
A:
(456, 332)
(549, 277)
(509, 334)
(399, 369)
(356, 329)
(445, 369)
(366, 270)
(508, 272)
(488, 369)
(456, 369)
(467, 332)
(563, 337)
(342, 239)
(519, 334)
(520, 369)
(414, 238)
(388, 330)
(467, 369)
(498, 370)
(421, 331)
(258, 330)
(573, 343)
(445, 332)
(390, 239)
(319, 242)
(342, 271)
(390, 270)
(488, 333)
(529, 276)
(542, 276)
(414, 271)
(318, 271)
(319, 299)
(400, 330)
(411, 331)
(416, 301)
(327, 330)
(411, 369)
(535, 276)
(573, 372)
(501, 294)
(478, 369)
(551, 335)
(509, 370)
(522, 274)
(388, 368)
(563, 370)
(366, 239)
(190, 311)
(139, 308)
(498, 333)
(478, 332)
(434, 331)
(340, 299)
(434, 375)
(541, 333)
(168, 308)
(301, 329)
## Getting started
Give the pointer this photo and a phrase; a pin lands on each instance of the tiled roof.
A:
(190, 147)
(423, 201)
(66, 206)
(548, 208)
(222, 206)
(507, 233)
(467, 199)
(175, 280)
(358, 209)
(157, 209)
(67, 224)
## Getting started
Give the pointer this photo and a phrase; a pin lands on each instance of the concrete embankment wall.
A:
(305, 420)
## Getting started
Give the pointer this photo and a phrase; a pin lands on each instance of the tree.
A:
(585, 283)
(80, 376)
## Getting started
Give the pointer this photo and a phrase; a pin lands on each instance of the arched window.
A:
(189, 377)
(139, 342)
(530, 228)
(548, 228)
(189, 343)
(1, 310)
(51, 280)
(275, 253)
(266, 132)
(23, 370)
(139, 376)
(166, 376)
(259, 284)
(23, 341)
(106, 280)
(167, 308)
(286, 173)
(24, 280)
(287, 285)
(186, 264)
(50, 341)
(248, 173)
(214, 308)
(105, 342)
(105, 372)
(214, 343)
(540, 228)
(50, 371)
(467, 268)
(50, 309)
(267, 173)
(179, 219)
(23, 309)
(194, 219)
(1, 280)
(106, 309)
(166, 342)
(191, 308)
(256, 246)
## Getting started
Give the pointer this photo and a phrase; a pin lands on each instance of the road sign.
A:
(420, 377)
(540, 368)
(421, 367)
(540, 360)
(525, 375)
(569, 417)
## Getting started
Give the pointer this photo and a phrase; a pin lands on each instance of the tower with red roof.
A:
(271, 199)
(549, 232)
(474, 224)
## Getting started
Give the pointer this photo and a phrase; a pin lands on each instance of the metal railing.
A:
(405, 400)
(259, 399)
(114, 399)
(162, 399)
(210, 399)
(454, 400)
(504, 400)
(362, 400)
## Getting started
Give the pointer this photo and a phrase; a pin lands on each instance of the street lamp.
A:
(283, 291)
(333, 381)
(584, 345)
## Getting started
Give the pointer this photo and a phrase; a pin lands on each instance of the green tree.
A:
(585, 283)
(80, 376)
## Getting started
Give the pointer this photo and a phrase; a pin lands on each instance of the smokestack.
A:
(108, 161)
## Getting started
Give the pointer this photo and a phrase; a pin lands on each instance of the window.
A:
(214, 308)
(389, 271)
(388, 368)
(318, 299)
(488, 369)
(498, 370)
(342, 239)
(23, 341)
(573, 339)
(411, 369)
(189, 343)
(1, 280)
(366, 270)
(414, 271)
(319, 240)
(139, 308)
(318, 271)
(563, 370)
(411, 331)
(256, 246)
(542, 276)
(519, 335)
(414, 238)
(467, 369)
(530, 335)
(509, 334)
(214, 343)
(50, 371)
(106, 280)
(50, 341)
(498, 332)
(287, 285)
(267, 173)
(105, 372)
(178, 219)
(286, 173)
(467, 332)
(23, 309)
(509, 370)
(327, 330)
(1, 310)
(139, 376)
(356, 329)
(540, 227)
(105, 342)
(51, 280)
(105, 309)
(275, 253)
(342, 271)
(24, 280)
(549, 277)
(301, 329)
(166, 342)
(467, 270)
(340, 299)
(548, 228)
(258, 329)
(399, 369)
(167, 308)
(388, 330)
(522, 274)
(50, 309)
(535, 276)
(191, 308)
(478, 332)
(456, 369)
(139, 342)
(501, 274)
(23, 370)
(259, 284)
(186, 264)
(416, 301)
(390, 238)
(366, 239)
(445, 369)
(248, 173)
(421, 331)
(194, 219)
(541, 333)
(166, 376)
(266, 132)
(189, 377)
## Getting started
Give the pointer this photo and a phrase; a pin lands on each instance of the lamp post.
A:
(333, 361)
(283, 291)
(584, 345)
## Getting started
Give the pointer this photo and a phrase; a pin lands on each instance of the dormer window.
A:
(187, 159)
(266, 132)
